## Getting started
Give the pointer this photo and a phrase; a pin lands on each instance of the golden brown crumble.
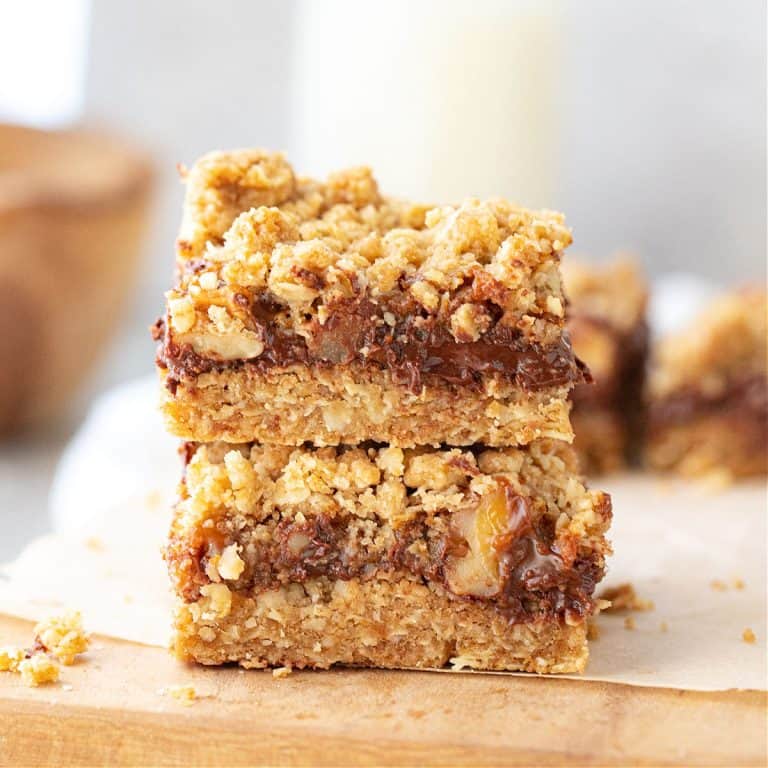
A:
(281, 672)
(57, 639)
(184, 694)
(63, 636)
(748, 636)
(10, 658)
(367, 482)
(39, 669)
(95, 544)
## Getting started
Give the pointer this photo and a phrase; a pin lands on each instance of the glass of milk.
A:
(444, 99)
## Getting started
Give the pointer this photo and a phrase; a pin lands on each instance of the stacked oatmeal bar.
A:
(374, 399)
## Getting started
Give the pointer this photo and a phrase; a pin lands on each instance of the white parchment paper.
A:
(699, 555)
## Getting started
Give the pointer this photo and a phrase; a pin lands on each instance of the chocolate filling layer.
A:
(414, 345)
(535, 579)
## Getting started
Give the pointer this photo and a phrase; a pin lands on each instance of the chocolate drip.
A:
(533, 569)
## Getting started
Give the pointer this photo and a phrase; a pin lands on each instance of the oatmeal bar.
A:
(373, 555)
(708, 396)
(607, 325)
(323, 311)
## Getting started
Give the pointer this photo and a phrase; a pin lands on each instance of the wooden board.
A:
(114, 715)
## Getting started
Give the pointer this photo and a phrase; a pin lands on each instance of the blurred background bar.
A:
(643, 120)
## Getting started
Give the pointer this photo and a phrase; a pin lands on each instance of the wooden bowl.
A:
(73, 210)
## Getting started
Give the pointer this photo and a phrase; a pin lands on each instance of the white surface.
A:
(671, 541)
(120, 454)
(676, 299)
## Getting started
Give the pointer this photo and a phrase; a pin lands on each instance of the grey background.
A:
(661, 144)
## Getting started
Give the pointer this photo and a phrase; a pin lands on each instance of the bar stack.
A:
(374, 397)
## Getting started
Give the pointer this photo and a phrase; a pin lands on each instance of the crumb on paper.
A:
(748, 636)
(738, 583)
(39, 669)
(664, 487)
(57, 639)
(718, 586)
(280, 672)
(629, 623)
(95, 544)
(184, 694)
(62, 636)
(716, 480)
(624, 598)
(664, 627)
(153, 499)
(461, 663)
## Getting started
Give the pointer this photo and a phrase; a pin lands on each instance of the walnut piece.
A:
(477, 572)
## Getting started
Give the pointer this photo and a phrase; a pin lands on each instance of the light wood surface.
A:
(114, 714)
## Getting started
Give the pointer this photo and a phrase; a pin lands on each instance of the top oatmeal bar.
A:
(324, 311)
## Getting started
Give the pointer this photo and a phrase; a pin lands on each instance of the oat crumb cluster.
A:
(58, 640)
(373, 398)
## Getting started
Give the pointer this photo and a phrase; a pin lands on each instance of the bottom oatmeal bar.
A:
(375, 556)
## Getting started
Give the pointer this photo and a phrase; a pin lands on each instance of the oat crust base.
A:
(381, 623)
(330, 406)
